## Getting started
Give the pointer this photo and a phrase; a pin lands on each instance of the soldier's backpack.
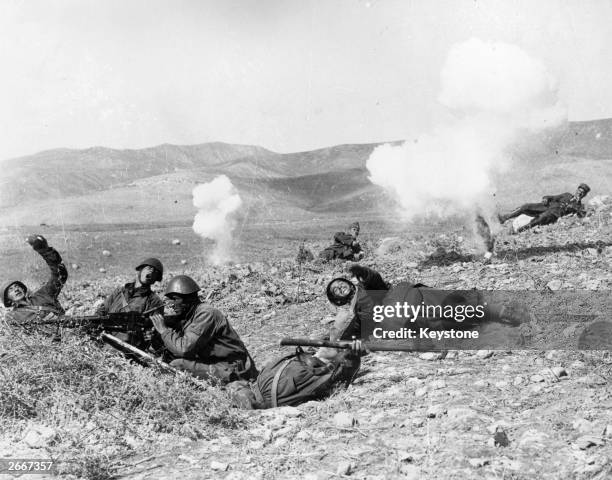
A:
(300, 377)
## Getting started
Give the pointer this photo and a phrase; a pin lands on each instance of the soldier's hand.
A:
(159, 323)
(38, 242)
(357, 347)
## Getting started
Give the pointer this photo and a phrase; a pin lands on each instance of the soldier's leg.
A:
(545, 218)
(531, 209)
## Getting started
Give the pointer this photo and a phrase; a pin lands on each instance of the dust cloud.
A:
(492, 93)
(217, 202)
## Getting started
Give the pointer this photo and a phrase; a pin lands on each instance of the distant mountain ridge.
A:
(153, 182)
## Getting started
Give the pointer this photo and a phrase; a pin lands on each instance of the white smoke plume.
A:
(217, 203)
(492, 91)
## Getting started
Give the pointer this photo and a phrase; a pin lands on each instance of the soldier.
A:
(551, 208)
(345, 247)
(300, 376)
(201, 341)
(135, 296)
(29, 308)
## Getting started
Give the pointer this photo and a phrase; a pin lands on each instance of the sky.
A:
(286, 75)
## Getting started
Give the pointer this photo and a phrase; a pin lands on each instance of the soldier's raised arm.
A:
(59, 273)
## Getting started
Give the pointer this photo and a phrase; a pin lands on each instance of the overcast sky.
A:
(286, 75)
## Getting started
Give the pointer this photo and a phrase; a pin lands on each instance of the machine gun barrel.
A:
(147, 358)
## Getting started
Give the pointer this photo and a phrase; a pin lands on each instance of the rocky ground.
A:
(469, 414)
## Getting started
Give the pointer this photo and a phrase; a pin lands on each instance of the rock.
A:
(303, 435)
(554, 285)
(608, 431)
(484, 354)
(255, 445)
(75, 266)
(220, 466)
(431, 355)
(176, 241)
(587, 441)
(478, 462)
(559, 372)
(480, 383)
(106, 253)
(410, 472)
(518, 380)
(536, 378)
(500, 439)
(435, 411)
(592, 379)
(281, 442)
(283, 431)
(520, 221)
(344, 468)
(420, 392)
(437, 384)
(289, 411)
(533, 440)
(344, 420)
(40, 436)
(266, 435)
(460, 414)
(102, 270)
(183, 262)
(583, 425)
(316, 476)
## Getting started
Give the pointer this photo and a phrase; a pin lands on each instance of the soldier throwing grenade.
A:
(28, 308)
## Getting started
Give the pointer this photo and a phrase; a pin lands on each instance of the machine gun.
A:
(115, 322)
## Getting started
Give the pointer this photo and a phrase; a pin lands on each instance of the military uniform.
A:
(345, 247)
(43, 304)
(205, 344)
(549, 210)
(129, 298)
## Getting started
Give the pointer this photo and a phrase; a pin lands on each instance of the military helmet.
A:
(585, 187)
(340, 291)
(182, 285)
(152, 262)
(5, 287)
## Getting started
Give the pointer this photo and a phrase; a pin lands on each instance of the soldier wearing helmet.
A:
(201, 341)
(135, 296)
(29, 307)
(551, 208)
(345, 247)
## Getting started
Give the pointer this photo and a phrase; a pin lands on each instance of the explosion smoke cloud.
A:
(493, 91)
(217, 202)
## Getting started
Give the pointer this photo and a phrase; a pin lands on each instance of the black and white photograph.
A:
(306, 239)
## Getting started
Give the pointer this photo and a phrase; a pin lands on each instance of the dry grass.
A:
(98, 403)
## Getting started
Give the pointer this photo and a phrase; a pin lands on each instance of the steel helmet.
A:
(5, 287)
(340, 291)
(183, 285)
(585, 187)
(152, 262)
